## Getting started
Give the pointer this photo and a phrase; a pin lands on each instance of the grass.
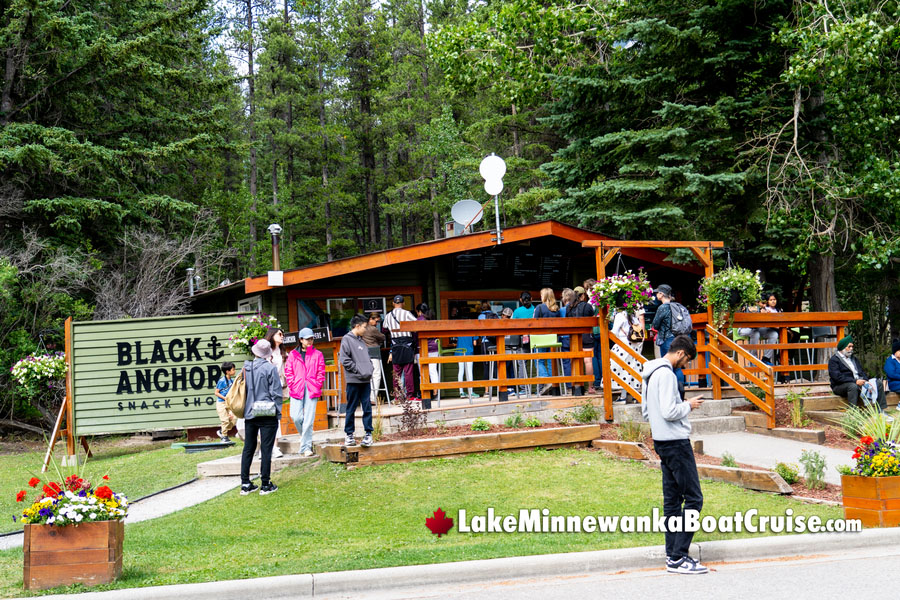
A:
(135, 470)
(325, 518)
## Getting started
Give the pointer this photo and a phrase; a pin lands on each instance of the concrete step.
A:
(708, 425)
(826, 417)
(231, 465)
(710, 408)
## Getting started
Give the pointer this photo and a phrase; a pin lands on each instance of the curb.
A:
(505, 569)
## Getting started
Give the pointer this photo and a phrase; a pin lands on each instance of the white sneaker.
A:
(276, 453)
(308, 453)
(686, 566)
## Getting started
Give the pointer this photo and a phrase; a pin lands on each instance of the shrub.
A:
(795, 400)
(630, 431)
(728, 460)
(563, 418)
(756, 391)
(515, 420)
(788, 471)
(480, 424)
(813, 469)
(441, 426)
(586, 413)
(412, 419)
(869, 422)
(533, 422)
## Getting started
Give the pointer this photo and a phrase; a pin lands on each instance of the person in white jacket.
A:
(661, 404)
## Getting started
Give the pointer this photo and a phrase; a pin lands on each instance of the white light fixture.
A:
(493, 186)
(492, 167)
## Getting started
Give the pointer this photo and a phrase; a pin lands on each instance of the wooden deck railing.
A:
(499, 329)
(723, 365)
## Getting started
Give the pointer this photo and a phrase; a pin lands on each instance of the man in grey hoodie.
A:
(354, 357)
(661, 404)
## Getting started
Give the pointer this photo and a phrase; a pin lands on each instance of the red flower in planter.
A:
(866, 439)
(51, 489)
(103, 492)
(855, 455)
(20, 496)
(34, 481)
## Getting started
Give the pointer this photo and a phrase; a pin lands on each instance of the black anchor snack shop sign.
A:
(144, 374)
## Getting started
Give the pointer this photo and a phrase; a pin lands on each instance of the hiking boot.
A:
(367, 441)
(248, 488)
(349, 441)
(685, 566)
(268, 488)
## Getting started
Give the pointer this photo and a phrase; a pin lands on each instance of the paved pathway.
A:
(766, 451)
(162, 504)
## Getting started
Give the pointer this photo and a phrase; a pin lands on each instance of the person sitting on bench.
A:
(847, 377)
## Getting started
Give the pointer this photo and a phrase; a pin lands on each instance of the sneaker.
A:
(620, 400)
(463, 395)
(222, 436)
(685, 566)
(248, 488)
(349, 441)
(268, 488)
(308, 453)
(367, 441)
(473, 396)
(276, 453)
(511, 395)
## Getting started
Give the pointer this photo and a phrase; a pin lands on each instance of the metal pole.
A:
(497, 215)
(190, 272)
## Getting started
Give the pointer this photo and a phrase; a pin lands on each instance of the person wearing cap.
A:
(262, 412)
(580, 307)
(662, 323)
(374, 340)
(304, 371)
(354, 357)
(403, 348)
(892, 367)
(847, 376)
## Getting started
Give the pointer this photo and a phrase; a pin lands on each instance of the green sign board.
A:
(145, 374)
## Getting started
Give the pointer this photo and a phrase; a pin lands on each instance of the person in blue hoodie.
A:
(892, 367)
(662, 406)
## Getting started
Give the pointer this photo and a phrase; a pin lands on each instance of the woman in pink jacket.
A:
(305, 375)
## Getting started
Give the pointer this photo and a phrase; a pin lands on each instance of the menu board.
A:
(554, 271)
(525, 269)
(468, 267)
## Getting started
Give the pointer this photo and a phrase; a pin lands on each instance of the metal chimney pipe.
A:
(190, 274)
(275, 231)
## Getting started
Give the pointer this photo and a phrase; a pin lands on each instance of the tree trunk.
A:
(823, 296)
(274, 181)
(251, 111)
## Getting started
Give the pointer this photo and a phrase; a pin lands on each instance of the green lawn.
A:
(134, 470)
(324, 518)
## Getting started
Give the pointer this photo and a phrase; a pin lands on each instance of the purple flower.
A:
(45, 512)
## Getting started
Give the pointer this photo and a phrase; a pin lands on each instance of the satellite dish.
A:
(467, 212)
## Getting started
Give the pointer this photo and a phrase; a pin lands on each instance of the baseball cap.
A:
(578, 290)
(398, 299)
(305, 333)
(664, 289)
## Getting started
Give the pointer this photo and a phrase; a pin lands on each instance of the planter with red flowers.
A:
(871, 489)
(73, 533)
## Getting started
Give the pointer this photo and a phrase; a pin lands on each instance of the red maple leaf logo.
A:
(439, 524)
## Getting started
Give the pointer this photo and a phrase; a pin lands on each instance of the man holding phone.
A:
(661, 404)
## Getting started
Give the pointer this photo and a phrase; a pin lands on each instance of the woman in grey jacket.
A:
(262, 412)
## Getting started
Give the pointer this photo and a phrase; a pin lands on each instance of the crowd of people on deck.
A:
(275, 374)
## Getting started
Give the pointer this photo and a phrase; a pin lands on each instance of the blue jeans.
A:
(304, 415)
(681, 490)
(566, 342)
(598, 372)
(679, 374)
(544, 369)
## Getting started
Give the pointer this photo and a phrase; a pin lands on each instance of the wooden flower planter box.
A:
(89, 553)
(873, 500)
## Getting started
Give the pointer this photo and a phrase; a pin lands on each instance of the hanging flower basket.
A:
(727, 292)
(40, 373)
(628, 292)
(252, 329)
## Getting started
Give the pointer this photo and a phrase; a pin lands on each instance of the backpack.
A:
(681, 319)
(636, 333)
(237, 396)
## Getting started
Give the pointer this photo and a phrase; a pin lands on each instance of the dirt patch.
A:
(836, 438)
(830, 492)
(466, 430)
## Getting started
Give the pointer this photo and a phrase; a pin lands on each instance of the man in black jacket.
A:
(847, 376)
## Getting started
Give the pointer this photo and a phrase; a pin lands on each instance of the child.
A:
(225, 416)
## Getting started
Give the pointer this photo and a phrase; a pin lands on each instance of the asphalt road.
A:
(859, 574)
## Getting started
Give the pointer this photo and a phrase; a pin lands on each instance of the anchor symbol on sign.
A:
(214, 345)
